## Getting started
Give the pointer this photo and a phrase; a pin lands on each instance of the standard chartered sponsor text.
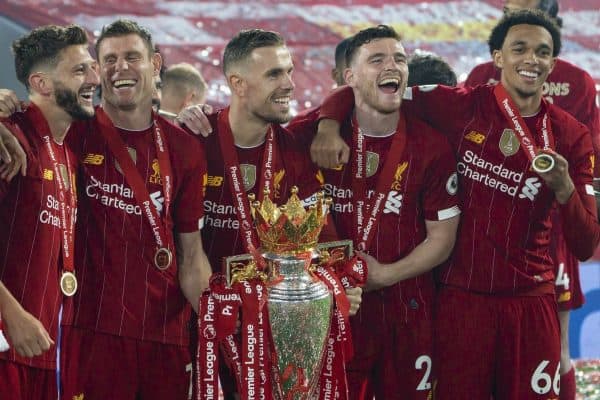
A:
(496, 176)
(112, 195)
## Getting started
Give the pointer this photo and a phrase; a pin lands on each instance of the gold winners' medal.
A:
(542, 163)
(163, 258)
(68, 283)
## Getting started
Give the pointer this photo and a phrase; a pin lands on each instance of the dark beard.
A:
(67, 100)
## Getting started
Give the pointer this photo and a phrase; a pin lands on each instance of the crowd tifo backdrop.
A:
(196, 32)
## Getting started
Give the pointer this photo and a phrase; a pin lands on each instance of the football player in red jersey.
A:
(573, 90)
(38, 210)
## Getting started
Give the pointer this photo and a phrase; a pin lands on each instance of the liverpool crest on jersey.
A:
(133, 155)
(372, 163)
(248, 176)
(509, 143)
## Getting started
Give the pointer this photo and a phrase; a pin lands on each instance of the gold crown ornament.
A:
(290, 228)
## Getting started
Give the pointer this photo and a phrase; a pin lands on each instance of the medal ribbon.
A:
(134, 179)
(513, 116)
(232, 167)
(365, 233)
(67, 196)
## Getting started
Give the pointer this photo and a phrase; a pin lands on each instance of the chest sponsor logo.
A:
(48, 174)
(119, 196)
(50, 214)
(531, 188)
(509, 144)
(475, 137)
(496, 176)
(248, 176)
(155, 177)
(393, 203)
(133, 155)
(398, 175)
(372, 163)
(93, 159)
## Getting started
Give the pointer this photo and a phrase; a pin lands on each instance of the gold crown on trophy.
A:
(289, 228)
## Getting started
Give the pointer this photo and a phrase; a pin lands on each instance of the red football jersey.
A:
(221, 235)
(31, 234)
(567, 86)
(424, 188)
(121, 290)
(502, 244)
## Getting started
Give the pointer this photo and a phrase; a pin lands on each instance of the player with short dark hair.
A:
(37, 211)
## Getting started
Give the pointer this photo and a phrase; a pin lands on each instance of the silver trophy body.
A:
(300, 310)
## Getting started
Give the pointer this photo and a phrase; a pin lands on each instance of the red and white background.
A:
(196, 32)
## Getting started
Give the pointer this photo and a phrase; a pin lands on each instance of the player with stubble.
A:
(497, 330)
(402, 180)
(250, 146)
(37, 210)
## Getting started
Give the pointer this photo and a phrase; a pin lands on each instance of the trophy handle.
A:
(340, 247)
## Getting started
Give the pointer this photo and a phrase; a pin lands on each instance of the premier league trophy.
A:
(299, 304)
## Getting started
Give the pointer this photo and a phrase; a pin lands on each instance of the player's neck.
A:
(57, 118)
(248, 131)
(135, 119)
(374, 123)
(527, 105)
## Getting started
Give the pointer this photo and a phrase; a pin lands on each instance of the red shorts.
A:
(569, 295)
(508, 347)
(20, 382)
(101, 366)
(392, 355)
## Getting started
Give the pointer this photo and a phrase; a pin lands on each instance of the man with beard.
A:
(37, 211)
(398, 203)
(497, 330)
(573, 90)
(141, 183)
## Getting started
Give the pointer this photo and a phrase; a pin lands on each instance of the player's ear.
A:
(237, 84)
(497, 58)
(41, 83)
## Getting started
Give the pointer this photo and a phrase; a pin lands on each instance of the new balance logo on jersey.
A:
(157, 200)
(530, 189)
(393, 202)
(48, 174)
(475, 137)
(215, 181)
(93, 159)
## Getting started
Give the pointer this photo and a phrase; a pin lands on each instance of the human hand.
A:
(354, 296)
(12, 155)
(9, 103)
(25, 333)
(377, 276)
(194, 118)
(328, 149)
(558, 178)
